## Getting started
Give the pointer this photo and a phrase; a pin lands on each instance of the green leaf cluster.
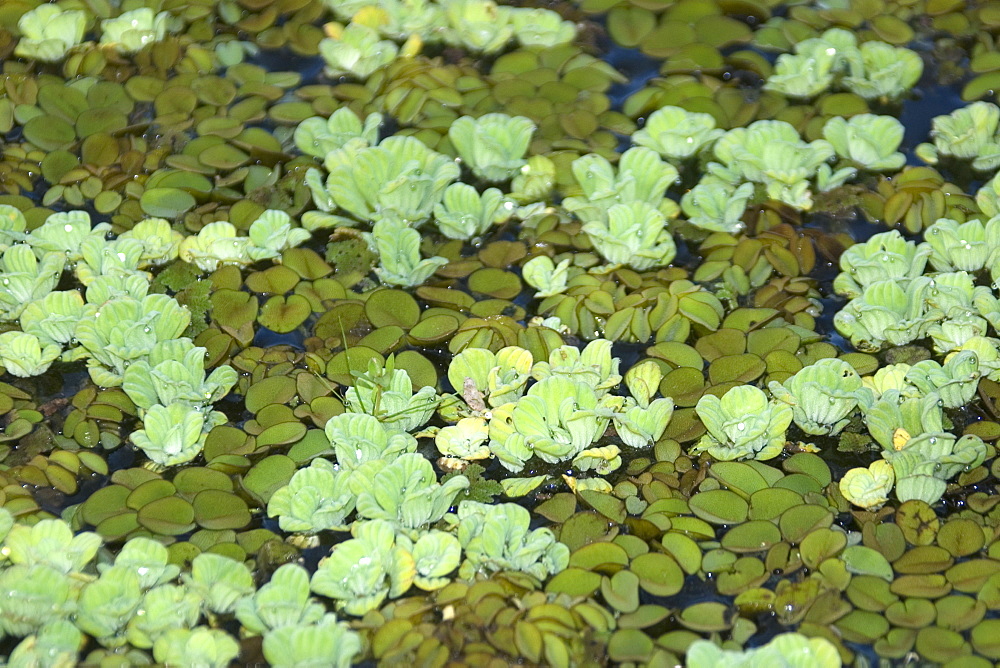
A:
(475, 25)
(281, 603)
(317, 136)
(641, 176)
(926, 462)
(885, 256)
(24, 355)
(387, 394)
(160, 242)
(500, 377)
(360, 573)
(317, 498)
(547, 277)
(356, 438)
(867, 141)
(218, 243)
(677, 134)
(772, 154)
(907, 421)
(743, 424)
(124, 330)
(356, 51)
(55, 596)
(895, 299)
(175, 433)
(823, 396)
(497, 538)
(558, 417)
(464, 213)
(119, 326)
(968, 133)
(787, 649)
(399, 179)
(49, 32)
(326, 642)
(717, 206)
(404, 491)
(634, 234)
(26, 278)
(493, 145)
(174, 372)
(130, 31)
(873, 70)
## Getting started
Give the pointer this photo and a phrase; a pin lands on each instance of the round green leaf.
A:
(796, 522)
(961, 537)
(719, 506)
(495, 283)
(192, 480)
(168, 516)
(268, 475)
(392, 307)
(621, 591)
(574, 582)
(49, 133)
(148, 492)
(658, 573)
(214, 509)
(167, 203)
(284, 314)
(104, 503)
(753, 536)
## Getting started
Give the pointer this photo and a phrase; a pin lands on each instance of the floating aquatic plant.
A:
(867, 141)
(49, 32)
(868, 488)
(361, 572)
(174, 372)
(717, 206)
(823, 395)
(633, 234)
(175, 433)
(318, 136)
(464, 213)
(785, 649)
(873, 70)
(25, 356)
(317, 498)
(355, 50)
(923, 464)
(325, 443)
(969, 132)
(399, 179)
(642, 176)
(743, 424)
(493, 145)
(131, 31)
(771, 153)
(676, 133)
(546, 276)
(497, 537)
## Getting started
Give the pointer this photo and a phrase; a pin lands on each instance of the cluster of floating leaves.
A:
(197, 127)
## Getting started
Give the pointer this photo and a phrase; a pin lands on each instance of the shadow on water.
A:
(920, 110)
(286, 60)
(637, 66)
(266, 338)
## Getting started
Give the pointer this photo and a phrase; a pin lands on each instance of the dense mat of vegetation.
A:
(446, 332)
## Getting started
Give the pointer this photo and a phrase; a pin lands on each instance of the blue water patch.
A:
(634, 64)
(265, 338)
(286, 60)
